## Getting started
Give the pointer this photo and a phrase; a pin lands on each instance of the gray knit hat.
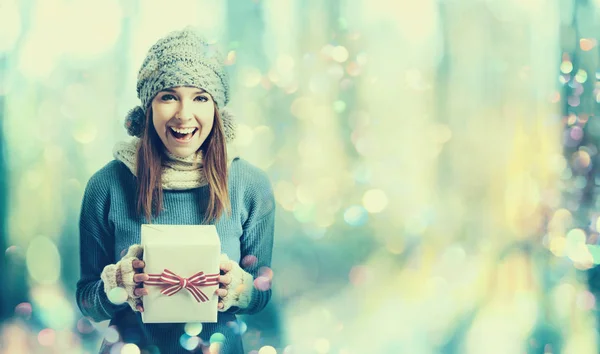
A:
(181, 58)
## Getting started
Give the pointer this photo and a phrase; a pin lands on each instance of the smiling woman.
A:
(183, 108)
(175, 171)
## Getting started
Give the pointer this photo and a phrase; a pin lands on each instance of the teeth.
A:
(183, 131)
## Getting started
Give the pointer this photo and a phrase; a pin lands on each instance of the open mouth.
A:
(183, 134)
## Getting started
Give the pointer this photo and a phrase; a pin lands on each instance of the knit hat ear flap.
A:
(229, 124)
(134, 121)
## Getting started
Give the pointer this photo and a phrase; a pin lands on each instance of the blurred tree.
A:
(244, 23)
(4, 313)
(579, 95)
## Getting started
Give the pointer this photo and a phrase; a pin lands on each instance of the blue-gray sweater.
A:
(109, 224)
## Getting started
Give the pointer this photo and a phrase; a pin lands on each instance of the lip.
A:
(182, 141)
(176, 127)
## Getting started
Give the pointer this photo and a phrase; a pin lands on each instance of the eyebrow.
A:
(173, 91)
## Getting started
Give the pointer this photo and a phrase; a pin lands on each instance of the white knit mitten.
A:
(121, 275)
(239, 291)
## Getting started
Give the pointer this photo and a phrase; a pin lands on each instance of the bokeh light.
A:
(23, 310)
(266, 272)
(586, 300)
(117, 295)
(587, 44)
(251, 77)
(193, 328)
(116, 348)
(375, 200)
(359, 275)
(43, 260)
(130, 348)
(46, 337)
(249, 261)
(262, 283)
(217, 338)
(267, 349)
(339, 54)
(355, 215)
(566, 67)
(111, 335)
(84, 326)
(189, 342)
(215, 348)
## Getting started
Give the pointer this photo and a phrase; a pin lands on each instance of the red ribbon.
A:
(176, 283)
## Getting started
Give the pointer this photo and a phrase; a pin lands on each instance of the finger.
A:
(225, 279)
(220, 305)
(138, 264)
(140, 292)
(221, 292)
(140, 308)
(226, 266)
(141, 277)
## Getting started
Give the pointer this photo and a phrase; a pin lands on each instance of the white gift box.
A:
(173, 255)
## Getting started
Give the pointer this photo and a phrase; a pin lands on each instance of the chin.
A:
(183, 153)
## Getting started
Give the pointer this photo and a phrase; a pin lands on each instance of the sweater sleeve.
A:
(96, 250)
(257, 241)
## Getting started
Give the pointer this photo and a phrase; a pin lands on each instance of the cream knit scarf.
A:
(178, 173)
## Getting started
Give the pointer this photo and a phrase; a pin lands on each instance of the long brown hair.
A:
(149, 171)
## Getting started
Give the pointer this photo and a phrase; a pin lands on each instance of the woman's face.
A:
(183, 117)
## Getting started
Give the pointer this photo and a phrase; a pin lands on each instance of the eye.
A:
(202, 98)
(167, 97)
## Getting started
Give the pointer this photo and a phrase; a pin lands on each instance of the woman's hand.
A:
(236, 285)
(224, 280)
(139, 278)
(128, 273)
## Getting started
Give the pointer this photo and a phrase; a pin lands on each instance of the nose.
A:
(184, 112)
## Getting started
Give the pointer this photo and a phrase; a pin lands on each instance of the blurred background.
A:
(435, 166)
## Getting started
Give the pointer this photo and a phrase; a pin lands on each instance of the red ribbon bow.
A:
(176, 283)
